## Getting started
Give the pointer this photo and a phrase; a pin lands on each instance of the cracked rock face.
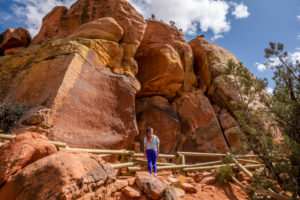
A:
(61, 22)
(87, 104)
(64, 175)
(21, 152)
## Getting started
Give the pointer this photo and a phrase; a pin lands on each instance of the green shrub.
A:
(9, 115)
(224, 174)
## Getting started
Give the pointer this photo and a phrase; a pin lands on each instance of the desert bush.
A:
(224, 174)
(9, 115)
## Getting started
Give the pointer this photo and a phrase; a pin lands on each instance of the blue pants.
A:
(152, 158)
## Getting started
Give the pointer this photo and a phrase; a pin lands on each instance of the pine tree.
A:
(260, 120)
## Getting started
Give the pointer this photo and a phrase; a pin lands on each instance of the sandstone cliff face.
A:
(201, 129)
(84, 87)
(165, 61)
(211, 62)
(61, 22)
(90, 106)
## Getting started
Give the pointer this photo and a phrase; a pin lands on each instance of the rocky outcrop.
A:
(61, 22)
(156, 112)
(90, 106)
(14, 40)
(80, 79)
(200, 127)
(21, 152)
(211, 60)
(170, 56)
(160, 70)
(211, 55)
(188, 124)
(201, 64)
(71, 176)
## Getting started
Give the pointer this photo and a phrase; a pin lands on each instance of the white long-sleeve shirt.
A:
(154, 144)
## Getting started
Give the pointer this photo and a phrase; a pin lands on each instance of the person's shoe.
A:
(155, 174)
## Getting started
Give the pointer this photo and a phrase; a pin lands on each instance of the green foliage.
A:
(285, 103)
(261, 115)
(9, 115)
(153, 17)
(172, 23)
(224, 174)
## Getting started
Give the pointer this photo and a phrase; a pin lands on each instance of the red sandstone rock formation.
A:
(87, 87)
(163, 56)
(77, 175)
(201, 64)
(90, 106)
(201, 130)
(156, 112)
(14, 40)
(67, 175)
(61, 22)
(104, 28)
(21, 152)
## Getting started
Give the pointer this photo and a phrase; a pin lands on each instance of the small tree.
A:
(9, 115)
(260, 115)
(172, 23)
(153, 17)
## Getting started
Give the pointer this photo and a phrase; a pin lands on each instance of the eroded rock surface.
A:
(157, 112)
(23, 150)
(14, 40)
(70, 176)
(90, 106)
(170, 55)
(200, 127)
(61, 22)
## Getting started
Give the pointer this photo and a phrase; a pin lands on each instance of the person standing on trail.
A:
(151, 149)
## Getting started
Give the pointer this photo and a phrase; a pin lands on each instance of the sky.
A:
(243, 27)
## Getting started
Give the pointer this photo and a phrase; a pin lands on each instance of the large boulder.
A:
(151, 186)
(211, 55)
(169, 53)
(23, 150)
(156, 112)
(160, 70)
(201, 130)
(211, 61)
(14, 40)
(91, 107)
(64, 175)
(104, 28)
(61, 22)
